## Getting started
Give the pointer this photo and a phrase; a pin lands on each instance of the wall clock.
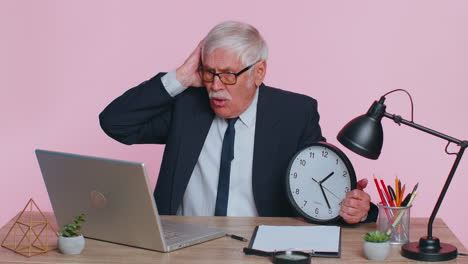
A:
(317, 180)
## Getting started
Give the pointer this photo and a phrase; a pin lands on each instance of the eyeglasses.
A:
(225, 77)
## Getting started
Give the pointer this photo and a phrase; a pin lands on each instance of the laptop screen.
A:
(114, 194)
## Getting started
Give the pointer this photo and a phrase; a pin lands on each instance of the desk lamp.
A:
(364, 136)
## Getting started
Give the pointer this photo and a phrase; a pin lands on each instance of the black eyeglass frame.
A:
(200, 70)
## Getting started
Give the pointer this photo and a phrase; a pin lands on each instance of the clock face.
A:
(318, 178)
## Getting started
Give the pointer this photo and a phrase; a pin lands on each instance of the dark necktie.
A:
(227, 155)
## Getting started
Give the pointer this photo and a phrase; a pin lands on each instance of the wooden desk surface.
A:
(228, 250)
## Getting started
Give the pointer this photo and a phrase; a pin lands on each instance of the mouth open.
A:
(218, 101)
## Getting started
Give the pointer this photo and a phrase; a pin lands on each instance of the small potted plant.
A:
(376, 245)
(71, 240)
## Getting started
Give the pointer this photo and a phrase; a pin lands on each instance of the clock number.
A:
(297, 191)
(295, 175)
(312, 154)
(346, 189)
(305, 202)
(316, 210)
(340, 203)
(336, 161)
(345, 173)
(330, 211)
(302, 162)
(324, 153)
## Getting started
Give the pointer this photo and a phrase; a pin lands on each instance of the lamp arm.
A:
(462, 144)
(444, 190)
(399, 119)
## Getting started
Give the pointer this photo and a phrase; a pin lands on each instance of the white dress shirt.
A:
(200, 195)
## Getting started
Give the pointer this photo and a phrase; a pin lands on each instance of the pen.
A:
(237, 237)
(392, 193)
(406, 200)
(397, 190)
(408, 196)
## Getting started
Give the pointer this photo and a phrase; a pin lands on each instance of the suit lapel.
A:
(265, 148)
(194, 134)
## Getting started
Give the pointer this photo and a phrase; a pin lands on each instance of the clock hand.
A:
(331, 193)
(323, 192)
(326, 189)
(326, 178)
(325, 196)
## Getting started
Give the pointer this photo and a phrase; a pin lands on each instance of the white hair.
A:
(241, 38)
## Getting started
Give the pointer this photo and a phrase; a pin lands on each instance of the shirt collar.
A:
(249, 115)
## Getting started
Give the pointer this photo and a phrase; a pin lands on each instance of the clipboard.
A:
(266, 240)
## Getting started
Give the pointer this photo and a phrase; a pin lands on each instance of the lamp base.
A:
(429, 250)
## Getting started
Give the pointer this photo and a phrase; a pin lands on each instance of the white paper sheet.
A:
(318, 238)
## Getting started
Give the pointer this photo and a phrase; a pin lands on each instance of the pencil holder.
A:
(395, 221)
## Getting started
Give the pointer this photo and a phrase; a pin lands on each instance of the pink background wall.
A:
(62, 62)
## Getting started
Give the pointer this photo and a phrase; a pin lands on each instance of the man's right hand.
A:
(187, 74)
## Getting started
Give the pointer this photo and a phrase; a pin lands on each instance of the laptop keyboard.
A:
(171, 234)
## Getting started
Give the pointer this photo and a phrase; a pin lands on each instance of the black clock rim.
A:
(352, 176)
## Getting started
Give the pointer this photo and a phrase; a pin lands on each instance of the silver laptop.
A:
(117, 199)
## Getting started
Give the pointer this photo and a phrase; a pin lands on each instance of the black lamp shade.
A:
(364, 134)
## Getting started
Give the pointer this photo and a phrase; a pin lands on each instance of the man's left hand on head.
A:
(356, 204)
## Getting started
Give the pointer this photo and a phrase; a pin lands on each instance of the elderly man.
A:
(228, 136)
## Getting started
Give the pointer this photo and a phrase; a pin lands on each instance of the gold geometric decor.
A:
(31, 233)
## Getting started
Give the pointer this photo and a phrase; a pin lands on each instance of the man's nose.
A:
(217, 83)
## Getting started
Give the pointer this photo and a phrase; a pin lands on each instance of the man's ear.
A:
(259, 72)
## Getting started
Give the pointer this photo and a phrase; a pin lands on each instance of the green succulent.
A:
(376, 236)
(73, 229)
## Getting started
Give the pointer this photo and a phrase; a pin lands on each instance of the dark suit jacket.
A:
(285, 123)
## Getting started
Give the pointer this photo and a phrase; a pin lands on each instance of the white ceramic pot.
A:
(376, 251)
(71, 245)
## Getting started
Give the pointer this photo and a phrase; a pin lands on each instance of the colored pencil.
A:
(384, 187)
